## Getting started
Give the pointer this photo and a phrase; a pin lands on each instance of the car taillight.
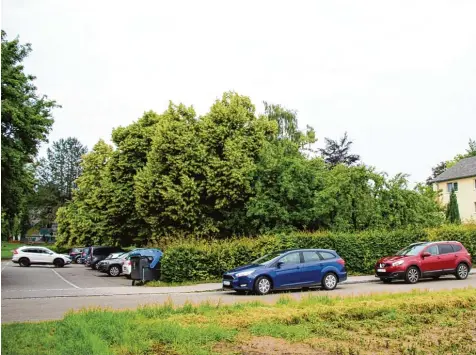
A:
(15, 251)
(341, 261)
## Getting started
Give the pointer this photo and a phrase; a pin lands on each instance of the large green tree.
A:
(227, 172)
(84, 219)
(26, 122)
(55, 179)
(198, 175)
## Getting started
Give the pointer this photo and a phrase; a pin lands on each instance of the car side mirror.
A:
(425, 254)
(279, 264)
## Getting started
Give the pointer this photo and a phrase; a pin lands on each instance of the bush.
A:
(204, 260)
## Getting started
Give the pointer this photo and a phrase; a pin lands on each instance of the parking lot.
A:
(43, 278)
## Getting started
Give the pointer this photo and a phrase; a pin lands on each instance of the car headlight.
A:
(245, 273)
(397, 263)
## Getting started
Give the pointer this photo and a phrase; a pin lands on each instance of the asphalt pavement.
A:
(47, 293)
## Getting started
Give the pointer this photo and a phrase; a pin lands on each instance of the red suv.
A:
(425, 260)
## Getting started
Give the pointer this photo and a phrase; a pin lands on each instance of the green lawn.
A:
(410, 323)
(7, 248)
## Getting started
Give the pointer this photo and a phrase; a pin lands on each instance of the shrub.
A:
(202, 260)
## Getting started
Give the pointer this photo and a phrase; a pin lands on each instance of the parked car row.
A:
(113, 261)
(304, 268)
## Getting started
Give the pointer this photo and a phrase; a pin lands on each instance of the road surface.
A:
(44, 293)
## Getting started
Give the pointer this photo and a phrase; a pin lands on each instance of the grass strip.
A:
(407, 323)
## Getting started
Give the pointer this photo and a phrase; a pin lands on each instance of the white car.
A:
(126, 266)
(30, 255)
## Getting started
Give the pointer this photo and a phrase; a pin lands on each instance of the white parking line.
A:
(3, 268)
(62, 278)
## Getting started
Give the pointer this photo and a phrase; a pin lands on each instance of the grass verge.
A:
(408, 323)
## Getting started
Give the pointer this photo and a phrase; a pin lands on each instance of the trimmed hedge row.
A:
(204, 260)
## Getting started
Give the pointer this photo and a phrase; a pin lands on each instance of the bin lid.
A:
(155, 253)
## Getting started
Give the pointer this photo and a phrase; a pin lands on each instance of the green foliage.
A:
(84, 220)
(452, 212)
(204, 260)
(26, 122)
(55, 180)
(425, 322)
(229, 172)
(338, 152)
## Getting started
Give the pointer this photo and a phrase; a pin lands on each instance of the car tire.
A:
(386, 281)
(94, 266)
(412, 275)
(114, 271)
(24, 262)
(462, 271)
(77, 260)
(263, 285)
(58, 262)
(329, 281)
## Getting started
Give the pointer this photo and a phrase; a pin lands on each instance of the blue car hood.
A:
(245, 267)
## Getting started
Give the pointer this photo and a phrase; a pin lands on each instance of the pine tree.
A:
(452, 212)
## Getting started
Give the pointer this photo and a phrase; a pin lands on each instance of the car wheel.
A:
(24, 262)
(77, 260)
(462, 271)
(114, 271)
(412, 275)
(58, 262)
(386, 281)
(329, 281)
(94, 266)
(262, 285)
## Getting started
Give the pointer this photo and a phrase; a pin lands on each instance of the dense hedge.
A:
(202, 260)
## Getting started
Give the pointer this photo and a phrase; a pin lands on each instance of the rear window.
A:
(310, 256)
(326, 255)
(445, 248)
(456, 247)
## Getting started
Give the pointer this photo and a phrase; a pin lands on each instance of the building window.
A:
(452, 186)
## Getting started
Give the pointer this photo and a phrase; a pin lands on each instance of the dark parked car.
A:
(100, 253)
(425, 260)
(75, 254)
(85, 255)
(289, 269)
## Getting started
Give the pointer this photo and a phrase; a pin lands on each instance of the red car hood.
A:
(392, 259)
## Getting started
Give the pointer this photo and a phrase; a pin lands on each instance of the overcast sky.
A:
(400, 77)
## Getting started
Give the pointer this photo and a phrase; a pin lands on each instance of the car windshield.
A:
(412, 250)
(267, 258)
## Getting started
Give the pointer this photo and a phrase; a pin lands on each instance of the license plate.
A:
(381, 270)
(226, 283)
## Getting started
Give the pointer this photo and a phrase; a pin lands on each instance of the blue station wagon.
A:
(288, 269)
